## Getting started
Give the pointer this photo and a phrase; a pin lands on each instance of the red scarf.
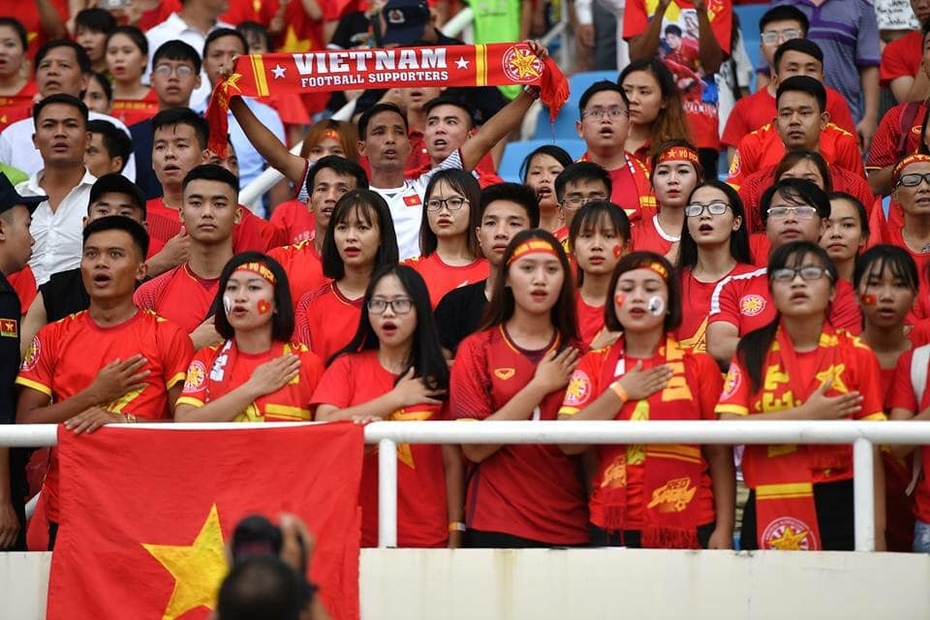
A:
(671, 473)
(453, 65)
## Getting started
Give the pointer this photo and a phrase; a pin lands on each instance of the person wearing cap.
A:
(64, 293)
(15, 249)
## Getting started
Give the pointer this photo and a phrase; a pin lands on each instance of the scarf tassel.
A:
(656, 537)
(553, 89)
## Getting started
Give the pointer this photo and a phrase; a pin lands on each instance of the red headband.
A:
(333, 134)
(258, 269)
(679, 153)
(532, 246)
(915, 158)
(658, 268)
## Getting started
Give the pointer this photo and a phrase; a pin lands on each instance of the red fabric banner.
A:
(145, 513)
(454, 65)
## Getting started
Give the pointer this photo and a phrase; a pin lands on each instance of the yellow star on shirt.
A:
(523, 63)
(404, 453)
(836, 373)
(788, 540)
(198, 569)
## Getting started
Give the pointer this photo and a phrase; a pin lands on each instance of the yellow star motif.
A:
(404, 453)
(292, 43)
(836, 373)
(523, 63)
(198, 569)
(789, 540)
(232, 82)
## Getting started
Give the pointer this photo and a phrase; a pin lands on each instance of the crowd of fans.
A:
(392, 274)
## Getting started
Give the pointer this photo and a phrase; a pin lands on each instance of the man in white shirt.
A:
(197, 19)
(62, 66)
(61, 137)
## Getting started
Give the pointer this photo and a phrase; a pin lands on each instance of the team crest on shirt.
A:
(31, 358)
(8, 328)
(521, 65)
(788, 534)
(732, 382)
(504, 373)
(735, 165)
(196, 375)
(579, 389)
(752, 305)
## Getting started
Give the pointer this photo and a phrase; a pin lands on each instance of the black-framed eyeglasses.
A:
(401, 305)
(453, 204)
(612, 113)
(803, 213)
(183, 71)
(714, 208)
(807, 272)
(914, 179)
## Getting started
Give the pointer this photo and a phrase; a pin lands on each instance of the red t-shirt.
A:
(303, 266)
(901, 58)
(326, 320)
(441, 278)
(631, 188)
(422, 510)
(28, 15)
(763, 147)
(894, 235)
(251, 233)
(132, 111)
(17, 107)
(902, 396)
(884, 150)
(295, 221)
(530, 491)
(647, 235)
(24, 283)
(216, 371)
(695, 306)
(179, 295)
(65, 357)
(744, 300)
(592, 378)
(590, 319)
(260, 11)
(758, 109)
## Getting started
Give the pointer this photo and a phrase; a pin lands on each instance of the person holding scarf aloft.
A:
(670, 496)
(798, 367)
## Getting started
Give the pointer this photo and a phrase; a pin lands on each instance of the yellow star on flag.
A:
(198, 569)
(789, 540)
(523, 63)
(232, 82)
(836, 373)
(404, 453)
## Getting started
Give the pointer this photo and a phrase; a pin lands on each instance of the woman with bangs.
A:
(846, 232)
(251, 376)
(714, 245)
(599, 236)
(539, 171)
(676, 171)
(671, 496)
(656, 109)
(449, 252)
(127, 52)
(798, 367)
(17, 88)
(514, 368)
(393, 369)
(360, 239)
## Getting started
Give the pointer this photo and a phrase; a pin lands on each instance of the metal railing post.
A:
(387, 493)
(864, 494)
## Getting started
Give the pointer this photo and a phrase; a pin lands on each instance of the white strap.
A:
(919, 363)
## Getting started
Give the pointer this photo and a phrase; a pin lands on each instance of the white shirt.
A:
(58, 235)
(17, 149)
(176, 28)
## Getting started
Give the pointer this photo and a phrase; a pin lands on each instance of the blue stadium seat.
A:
(749, 16)
(516, 152)
(564, 124)
(579, 82)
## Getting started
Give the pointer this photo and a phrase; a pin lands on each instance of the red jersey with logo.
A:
(901, 58)
(19, 106)
(530, 491)
(695, 307)
(894, 235)
(441, 278)
(132, 111)
(326, 320)
(763, 147)
(648, 236)
(758, 109)
(295, 221)
(422, 510)
(251, 233)
(744, 300)
(884, 150)
(179, 295)
(304, 268)
(631, 188)
(65, 357)
(216, 371)
(590, 319)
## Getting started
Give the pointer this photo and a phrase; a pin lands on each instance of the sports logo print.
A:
(521, 65)
(752, 305)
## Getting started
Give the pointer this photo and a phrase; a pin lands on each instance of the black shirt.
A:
(143, 138)
(10, 315)
(459, 314)
(64, 294)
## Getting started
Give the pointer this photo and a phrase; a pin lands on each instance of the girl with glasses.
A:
(671, 496)
(127, 52)
(393, 369)
(360, 239)
(449, 252)
(714, 245)
(257, 373)
(798, 367)
(516, 368)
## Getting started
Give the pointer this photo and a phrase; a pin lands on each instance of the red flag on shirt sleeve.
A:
(145, 513)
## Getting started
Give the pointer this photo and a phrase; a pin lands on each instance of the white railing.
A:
(862, 435)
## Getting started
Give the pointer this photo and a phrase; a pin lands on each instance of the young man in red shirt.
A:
(185, 295)
(114, 362)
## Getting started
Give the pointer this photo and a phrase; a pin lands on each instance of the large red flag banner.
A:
(145, 513)
(454, 65)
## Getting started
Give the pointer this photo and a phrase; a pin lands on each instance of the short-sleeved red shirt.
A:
(295, 221)
(179, 295)
(884, 149)
(17, 107)
(441, 278)
(326, 320)
(251, 233)
(631, 188)
(695, 306)
(901, 58)
(132, 111)
(65, 357)
(303, 266)
(590, 319)
(648, 236)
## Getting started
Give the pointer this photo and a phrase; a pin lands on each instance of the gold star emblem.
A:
(198, 569)
(523, 62)
(232, 82)
(404, 453)
(836, 373)
(292, 43)
(789, 539)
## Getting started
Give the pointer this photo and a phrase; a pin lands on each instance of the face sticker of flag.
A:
(412, 200)
(8, 328)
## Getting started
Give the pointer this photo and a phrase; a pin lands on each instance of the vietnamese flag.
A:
(145, 513)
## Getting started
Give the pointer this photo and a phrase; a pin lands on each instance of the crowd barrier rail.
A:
(863, 436)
